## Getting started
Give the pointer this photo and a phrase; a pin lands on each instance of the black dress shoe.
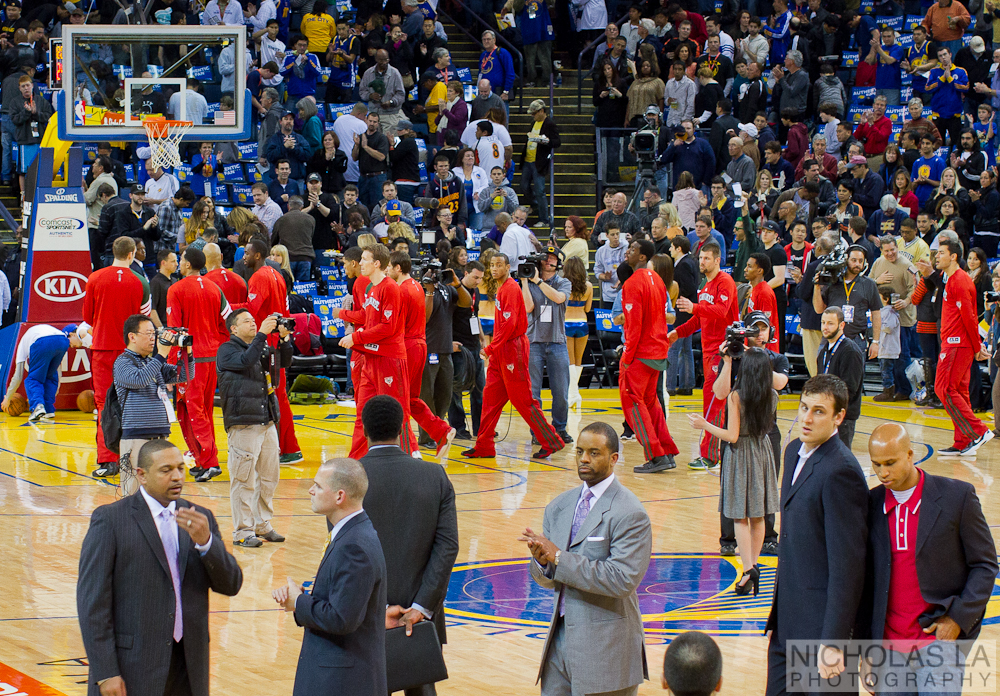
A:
(685, 392)
(770, 548)
(463, 435)
(106, 470)
(727, 550)
(656, 465)
(565, 436)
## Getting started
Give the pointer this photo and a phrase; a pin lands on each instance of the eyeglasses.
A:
(146, 333)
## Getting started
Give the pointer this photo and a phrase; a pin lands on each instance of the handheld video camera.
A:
(736, 335)
(832, 267)
(174, 336)
(991, 296)
(429, 271)
(532, 262)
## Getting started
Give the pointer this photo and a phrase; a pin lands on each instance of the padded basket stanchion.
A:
(164, 140)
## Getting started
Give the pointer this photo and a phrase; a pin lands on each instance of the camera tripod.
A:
(645, 179)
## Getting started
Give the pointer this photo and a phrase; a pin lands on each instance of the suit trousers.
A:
(416, 357)
(102, 363)
(195, 410)
(714, 409)
(637, 388)
(253, 476)
(952, 388)
(381, 375)
(810, 349)
(777, 663)
(507, 380)
(178, 682)
(557, 678)
(286, 426)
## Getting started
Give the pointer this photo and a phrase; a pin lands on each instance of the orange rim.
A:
(160, 127)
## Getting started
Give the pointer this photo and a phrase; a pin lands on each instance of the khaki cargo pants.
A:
(253, 476)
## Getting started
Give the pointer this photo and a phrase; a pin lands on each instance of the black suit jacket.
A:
(848, 363)
(686, 275)
(125, 597)
(343, 650)
(412, 506)
(718, 138)
(823, 530)
(955, 554)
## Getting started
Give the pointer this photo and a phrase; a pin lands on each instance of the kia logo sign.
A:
(61, 286)
(63, 223)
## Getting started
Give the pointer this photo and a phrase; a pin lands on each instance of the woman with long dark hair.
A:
(330, 162)
(749, 481)
(581, 297)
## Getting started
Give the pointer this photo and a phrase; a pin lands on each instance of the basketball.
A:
(85, 401)
(17, 405)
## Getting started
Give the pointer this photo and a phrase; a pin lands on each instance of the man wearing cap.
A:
(543, 138)
(869, 187)
(403, 209)
(42, 347)
(288, 145)
(12, 19)
(762, 298)
(136, 219)
(392, 210)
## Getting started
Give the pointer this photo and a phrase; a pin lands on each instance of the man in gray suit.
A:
(411, 504)
(146, 567)
(603, 540)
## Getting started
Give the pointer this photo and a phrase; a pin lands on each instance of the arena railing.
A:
(579, 63)
(500, 41)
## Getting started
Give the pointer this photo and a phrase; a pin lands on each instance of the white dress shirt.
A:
(340, 525)
(804, 455)
(155, 509)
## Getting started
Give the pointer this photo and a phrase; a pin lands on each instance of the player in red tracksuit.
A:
(507, 378)
(960, 345)
(644, 304)
(199, 305)
(716, 310)
(762, 297)
(414, 309)
(383, 370)
(268, 295)
(354, 311)
(113, 295)
(232, 284)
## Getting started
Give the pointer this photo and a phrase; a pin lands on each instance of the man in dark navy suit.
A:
(824, 500)
(343, 651)
(932, 564)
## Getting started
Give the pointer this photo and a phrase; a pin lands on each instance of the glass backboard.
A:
(115, 76)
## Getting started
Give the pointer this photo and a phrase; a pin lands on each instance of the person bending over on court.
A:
(42, 348)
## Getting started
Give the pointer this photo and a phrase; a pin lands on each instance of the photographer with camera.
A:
(507, 379)
(716, 309)
(141, 375)
(249, 376)
(467, 332)
(200, 306)
(841, 356)
(545, 295)
(809, 318)
(856, 294)
(755, 332)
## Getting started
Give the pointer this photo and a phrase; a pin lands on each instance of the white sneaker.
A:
(977, 443)
(49, 417)
(37, 414)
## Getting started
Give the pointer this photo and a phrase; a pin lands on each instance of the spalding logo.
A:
(61, 286)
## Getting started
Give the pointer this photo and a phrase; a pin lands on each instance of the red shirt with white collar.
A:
(906, 603)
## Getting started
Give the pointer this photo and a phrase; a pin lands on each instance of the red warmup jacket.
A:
(511, 321)
(715, 311)
(644, 304)
(959, 323)
(762, 299)
(113, 295)
(200, 306)
(232, 285)
(382, 333)
(356, 315)
(266, 295)
(414, 310)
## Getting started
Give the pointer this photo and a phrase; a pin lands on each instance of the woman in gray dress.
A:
(749, 482)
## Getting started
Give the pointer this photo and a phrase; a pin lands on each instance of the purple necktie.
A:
(582, 510)
(169, 537)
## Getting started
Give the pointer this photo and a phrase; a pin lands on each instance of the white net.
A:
(164, 141)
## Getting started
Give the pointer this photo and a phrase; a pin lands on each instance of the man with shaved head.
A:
(232, 284)
(932, 564)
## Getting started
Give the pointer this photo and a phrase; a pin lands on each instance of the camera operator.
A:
(249, 374)
(725, 382)
(200, 306)
(647, 152)
(845, 359)
(467, 332)
(856, 295)
(809, 318)
(545, 295)
(141, 375)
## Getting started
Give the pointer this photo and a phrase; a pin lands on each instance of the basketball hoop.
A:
(164, 140)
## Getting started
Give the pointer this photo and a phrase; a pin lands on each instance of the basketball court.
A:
(497, 616)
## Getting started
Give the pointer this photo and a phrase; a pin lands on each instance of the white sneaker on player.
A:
(37, 414)
(977, 443)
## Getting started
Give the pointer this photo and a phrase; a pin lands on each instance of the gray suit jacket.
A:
(598, 573)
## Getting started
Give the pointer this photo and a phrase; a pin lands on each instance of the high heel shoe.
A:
(753, 582)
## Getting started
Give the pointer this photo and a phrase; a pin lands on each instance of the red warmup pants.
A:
(952, 387)
(195, 413)
(416, 356)
(714, 409)
(507, 379)
(637, 387)
(102, 364)
(287, 442)
(381, 375)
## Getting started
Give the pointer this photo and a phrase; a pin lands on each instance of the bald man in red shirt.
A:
(198, 304)
(113, 295)
(232, 284)
(267, 295)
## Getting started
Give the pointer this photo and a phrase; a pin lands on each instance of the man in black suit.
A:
(146, 567)
(824, 500)
(686, 275)
(932, 562)
(411, 504)
(343, 651)
(841, 357)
